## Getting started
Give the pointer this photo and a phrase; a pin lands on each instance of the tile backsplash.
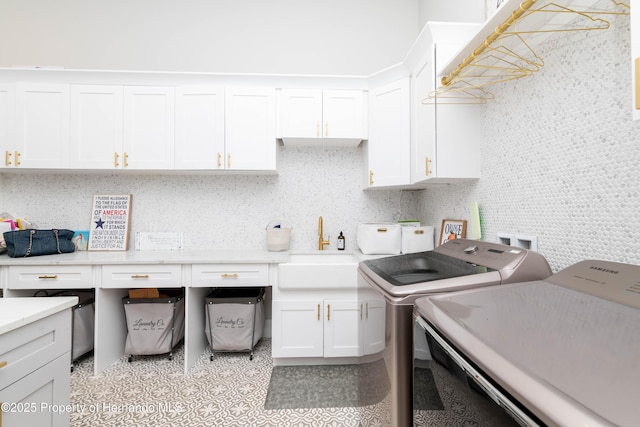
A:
(560, 155)
(222, 211)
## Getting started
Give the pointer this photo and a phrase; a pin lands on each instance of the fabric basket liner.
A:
(234, 318)
(154, 325)
(83, 320)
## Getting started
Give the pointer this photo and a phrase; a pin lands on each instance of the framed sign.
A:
(453, 229)
(110, 223)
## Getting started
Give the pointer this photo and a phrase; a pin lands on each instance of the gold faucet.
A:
(321, 242)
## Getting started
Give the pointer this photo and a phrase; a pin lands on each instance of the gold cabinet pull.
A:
(328, 311)
(318, 311)
(126, 160)
(228, 160)
(7, 158)
(54, 276)
(427, 160)
(381, 230)
(139, 276)
(418, 232)
(326, 128)
(370, 177)
(219, 160)
(3, 364)
(116, 156)
(229, 275)
(17, 158)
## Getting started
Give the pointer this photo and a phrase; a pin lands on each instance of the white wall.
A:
(560, 155)
(452, 11)
(355, 37)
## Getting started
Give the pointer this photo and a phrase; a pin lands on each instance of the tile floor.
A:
(228, 391)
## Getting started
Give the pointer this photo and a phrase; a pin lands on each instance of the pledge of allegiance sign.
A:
(110, 223)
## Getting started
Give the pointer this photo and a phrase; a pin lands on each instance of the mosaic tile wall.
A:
(222, 211)
(560, 155)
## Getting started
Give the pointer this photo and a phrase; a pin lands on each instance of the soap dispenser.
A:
(341, 242)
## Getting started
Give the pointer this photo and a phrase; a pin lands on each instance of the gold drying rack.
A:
(508, 52)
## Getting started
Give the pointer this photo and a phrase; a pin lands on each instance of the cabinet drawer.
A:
(219, 275)
(141, 276)
(50, 277)
(27, 348)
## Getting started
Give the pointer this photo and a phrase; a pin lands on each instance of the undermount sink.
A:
(319, 270)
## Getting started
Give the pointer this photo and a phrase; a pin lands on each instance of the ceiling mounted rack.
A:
(504, 49)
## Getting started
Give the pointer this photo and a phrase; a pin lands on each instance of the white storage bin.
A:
(379, 238)
(417, 239)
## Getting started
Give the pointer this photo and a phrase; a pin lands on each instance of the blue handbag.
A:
(33, 242)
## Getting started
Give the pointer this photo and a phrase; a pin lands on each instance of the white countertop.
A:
(17, 312)
(207, 256)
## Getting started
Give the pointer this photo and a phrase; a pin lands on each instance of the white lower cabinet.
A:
(297, 329)
(347, 327)
(34, 400)
(34, 372)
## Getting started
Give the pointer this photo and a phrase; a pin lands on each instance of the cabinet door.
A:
(96, 126)
(343, 114)
(423, 138)
(199, 128)
(42, 131)
(389, 145)
(301, 113)
(148, 127)
(250, 128)
(7, 122)
(343, 328)
(297, 329)
(458, 131)
(35, 394)
(374, 326)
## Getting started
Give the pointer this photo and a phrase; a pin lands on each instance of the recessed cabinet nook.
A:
(324, 117)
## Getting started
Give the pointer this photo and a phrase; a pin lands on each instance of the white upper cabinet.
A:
(7, 122)
(250, 129)
(343, 114)
(388, 149)
(200, 128)
(148, 127)
(42, 126)
(96, 127)
(445, 136)
(323, 117)
(301, 113)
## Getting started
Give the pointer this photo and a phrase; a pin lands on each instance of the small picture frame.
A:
(452, 229)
